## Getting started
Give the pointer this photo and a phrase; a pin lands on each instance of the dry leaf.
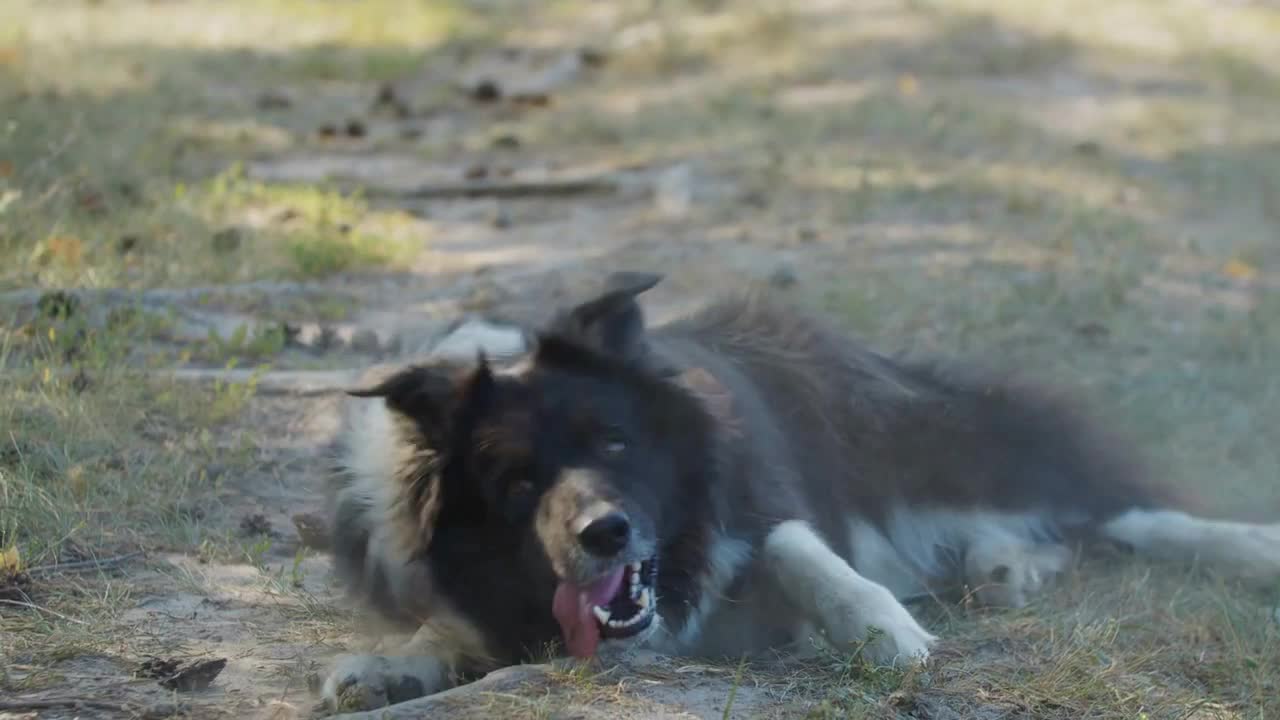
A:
(908, 85)
(66, 248)
(1240, 270)
(10, 561)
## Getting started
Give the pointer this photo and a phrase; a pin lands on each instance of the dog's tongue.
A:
(572, 608)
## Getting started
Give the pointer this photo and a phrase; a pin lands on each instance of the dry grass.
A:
(1087, 190)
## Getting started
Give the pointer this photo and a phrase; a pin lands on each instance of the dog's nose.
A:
(606, 535)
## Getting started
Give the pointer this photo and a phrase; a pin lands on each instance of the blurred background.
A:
(249, 191)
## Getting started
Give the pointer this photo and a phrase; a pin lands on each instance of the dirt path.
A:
(1090, 196)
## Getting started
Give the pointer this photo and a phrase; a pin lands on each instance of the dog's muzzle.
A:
(617, 602)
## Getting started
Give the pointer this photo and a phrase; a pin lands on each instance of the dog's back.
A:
(920, 475)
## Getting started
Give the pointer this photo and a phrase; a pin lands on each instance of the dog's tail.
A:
(1244, 549)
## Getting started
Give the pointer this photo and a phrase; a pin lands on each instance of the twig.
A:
(80, 565)
(508, 188)
(162, 710)
(31, 606)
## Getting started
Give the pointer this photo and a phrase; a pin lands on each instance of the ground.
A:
(1085, 192)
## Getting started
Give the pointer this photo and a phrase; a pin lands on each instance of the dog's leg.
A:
(1248, 549)
(422, 666)
(1003, 570)
(838, 600)
(366, 682)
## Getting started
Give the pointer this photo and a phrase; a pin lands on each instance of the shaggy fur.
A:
(764, 478)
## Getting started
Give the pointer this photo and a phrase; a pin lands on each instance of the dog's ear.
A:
(612, 322)
(430, 395)
(432, 403)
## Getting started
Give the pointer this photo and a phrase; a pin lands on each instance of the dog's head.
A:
(554, 481)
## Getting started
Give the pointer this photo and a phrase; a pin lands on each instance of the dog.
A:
(742, 479)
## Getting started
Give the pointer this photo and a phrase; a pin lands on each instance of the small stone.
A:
(274, 100)
(128, 243)
(783, 276)
(501, 219)
(506, 141)
(356, 129)
(365, 341)
(1088, 147)
(486, 91)
(256, 524)
(386, 95)
(227, 240)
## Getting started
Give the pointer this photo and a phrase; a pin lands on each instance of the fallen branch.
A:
(277, 382)
(504, 188)
(77, 703)
(158, 295)
(444, 704)
(82, 565)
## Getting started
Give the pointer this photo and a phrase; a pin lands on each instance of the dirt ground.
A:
(211, 210)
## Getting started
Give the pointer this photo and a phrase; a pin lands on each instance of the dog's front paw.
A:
(366, 682)
(903, 642)
(885, 631)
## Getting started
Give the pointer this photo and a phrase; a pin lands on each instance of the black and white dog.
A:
(742, 479)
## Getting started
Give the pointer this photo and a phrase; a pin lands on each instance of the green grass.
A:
(1084, 192)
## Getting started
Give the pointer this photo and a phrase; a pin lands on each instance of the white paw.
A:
(366, 682)
(1010, 574)
(885, 630)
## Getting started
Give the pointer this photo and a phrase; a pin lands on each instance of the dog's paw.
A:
(1011, 574)
(367, 682)
(886, 632)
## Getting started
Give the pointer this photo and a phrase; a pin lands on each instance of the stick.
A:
(160, 295)
(444, 704)
(80, 565)
(30, 606)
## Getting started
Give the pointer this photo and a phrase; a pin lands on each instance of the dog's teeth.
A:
(635, 578)
(601, 614)
(617, 623)
(643, 602)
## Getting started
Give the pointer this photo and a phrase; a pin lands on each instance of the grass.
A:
(1089, 192)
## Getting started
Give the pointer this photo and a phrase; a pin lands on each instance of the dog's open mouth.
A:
(619, 604)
